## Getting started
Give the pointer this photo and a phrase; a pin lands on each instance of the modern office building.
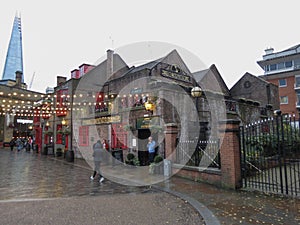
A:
(282, 68)
(14, 56)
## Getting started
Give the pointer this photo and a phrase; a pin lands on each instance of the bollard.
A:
(167, 168)
(69, 156)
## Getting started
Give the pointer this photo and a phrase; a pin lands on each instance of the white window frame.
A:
(297, 85)
(282, 85)
(284, 102)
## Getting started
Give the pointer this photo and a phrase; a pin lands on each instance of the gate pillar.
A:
(230, 154)
(171, 131)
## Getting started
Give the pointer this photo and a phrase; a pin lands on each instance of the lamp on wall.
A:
(196, 92)
(64, 122)
(149, 106)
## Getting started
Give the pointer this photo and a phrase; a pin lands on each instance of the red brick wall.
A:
(289, 91)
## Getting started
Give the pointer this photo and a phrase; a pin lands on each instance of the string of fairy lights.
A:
(30, 105)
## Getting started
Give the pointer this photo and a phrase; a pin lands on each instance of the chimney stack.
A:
(19, 75)
(60, 80)
(269, 51)
(109, 63)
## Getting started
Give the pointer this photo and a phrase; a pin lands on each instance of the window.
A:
(100, 106)
(267, 68)
(284, 100)
(280, 65)
(84, 136)
(298, 99)
(58, 134)
(297, 81)
(61, 102)
(273, 67)
(288, 64)
(282, 82)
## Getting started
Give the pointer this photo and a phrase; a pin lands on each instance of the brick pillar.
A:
(171, 132)
(230, 154)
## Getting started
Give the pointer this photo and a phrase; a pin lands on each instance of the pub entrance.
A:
(143, 135)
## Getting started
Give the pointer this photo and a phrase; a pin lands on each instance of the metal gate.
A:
(202, 153)
(270, 155)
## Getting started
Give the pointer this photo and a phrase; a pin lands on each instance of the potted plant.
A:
(132, 160)
(155, 128)
(58, 152)
(48, 132)
(128, 128)
(157, 166)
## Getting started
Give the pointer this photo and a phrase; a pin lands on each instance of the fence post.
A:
(230, 154)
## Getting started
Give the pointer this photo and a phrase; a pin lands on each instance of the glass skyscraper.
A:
(14, 56)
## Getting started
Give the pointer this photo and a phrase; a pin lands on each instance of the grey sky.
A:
(58, 36)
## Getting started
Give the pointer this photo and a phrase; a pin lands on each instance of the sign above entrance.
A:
(174, 72)
(24, 121)
(146, 122)
(102, 120)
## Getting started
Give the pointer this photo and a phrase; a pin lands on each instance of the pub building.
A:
(126, 105)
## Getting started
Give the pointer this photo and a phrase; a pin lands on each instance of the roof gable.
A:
(210, 80)
(173, 58)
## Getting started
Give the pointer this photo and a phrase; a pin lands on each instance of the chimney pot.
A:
(109, 63)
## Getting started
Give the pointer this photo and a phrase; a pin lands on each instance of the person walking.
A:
(97, 154)
(151, 149)
(19, 144)
(12, 144)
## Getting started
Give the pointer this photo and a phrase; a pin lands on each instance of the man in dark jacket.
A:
(12, 144)
(98, 155)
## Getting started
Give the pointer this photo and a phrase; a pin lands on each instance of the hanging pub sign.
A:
(102, 120)
(147, 122)
(174, 72)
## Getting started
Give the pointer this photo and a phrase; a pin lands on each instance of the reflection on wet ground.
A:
(31, 175)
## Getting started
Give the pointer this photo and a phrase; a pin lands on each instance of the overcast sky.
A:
(59, 35)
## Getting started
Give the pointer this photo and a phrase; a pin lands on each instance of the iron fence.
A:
(270, 151)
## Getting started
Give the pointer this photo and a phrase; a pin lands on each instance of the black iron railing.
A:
(270, 151)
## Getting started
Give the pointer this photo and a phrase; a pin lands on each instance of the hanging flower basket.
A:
(48, 132)
(156, 128)
(65, 132)
(128, 128)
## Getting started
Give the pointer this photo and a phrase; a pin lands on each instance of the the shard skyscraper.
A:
(14, 56)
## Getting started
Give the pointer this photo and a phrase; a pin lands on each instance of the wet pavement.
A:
(39, 189)
(33, 181)
(30, 175)
(241, 207)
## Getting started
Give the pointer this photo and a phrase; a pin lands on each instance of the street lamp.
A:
(196, 92)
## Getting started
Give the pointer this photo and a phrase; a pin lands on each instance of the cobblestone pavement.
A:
(39, 189)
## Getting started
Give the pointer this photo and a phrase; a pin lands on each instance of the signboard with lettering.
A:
(102, 120)
(146, 122)
(174, 72)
